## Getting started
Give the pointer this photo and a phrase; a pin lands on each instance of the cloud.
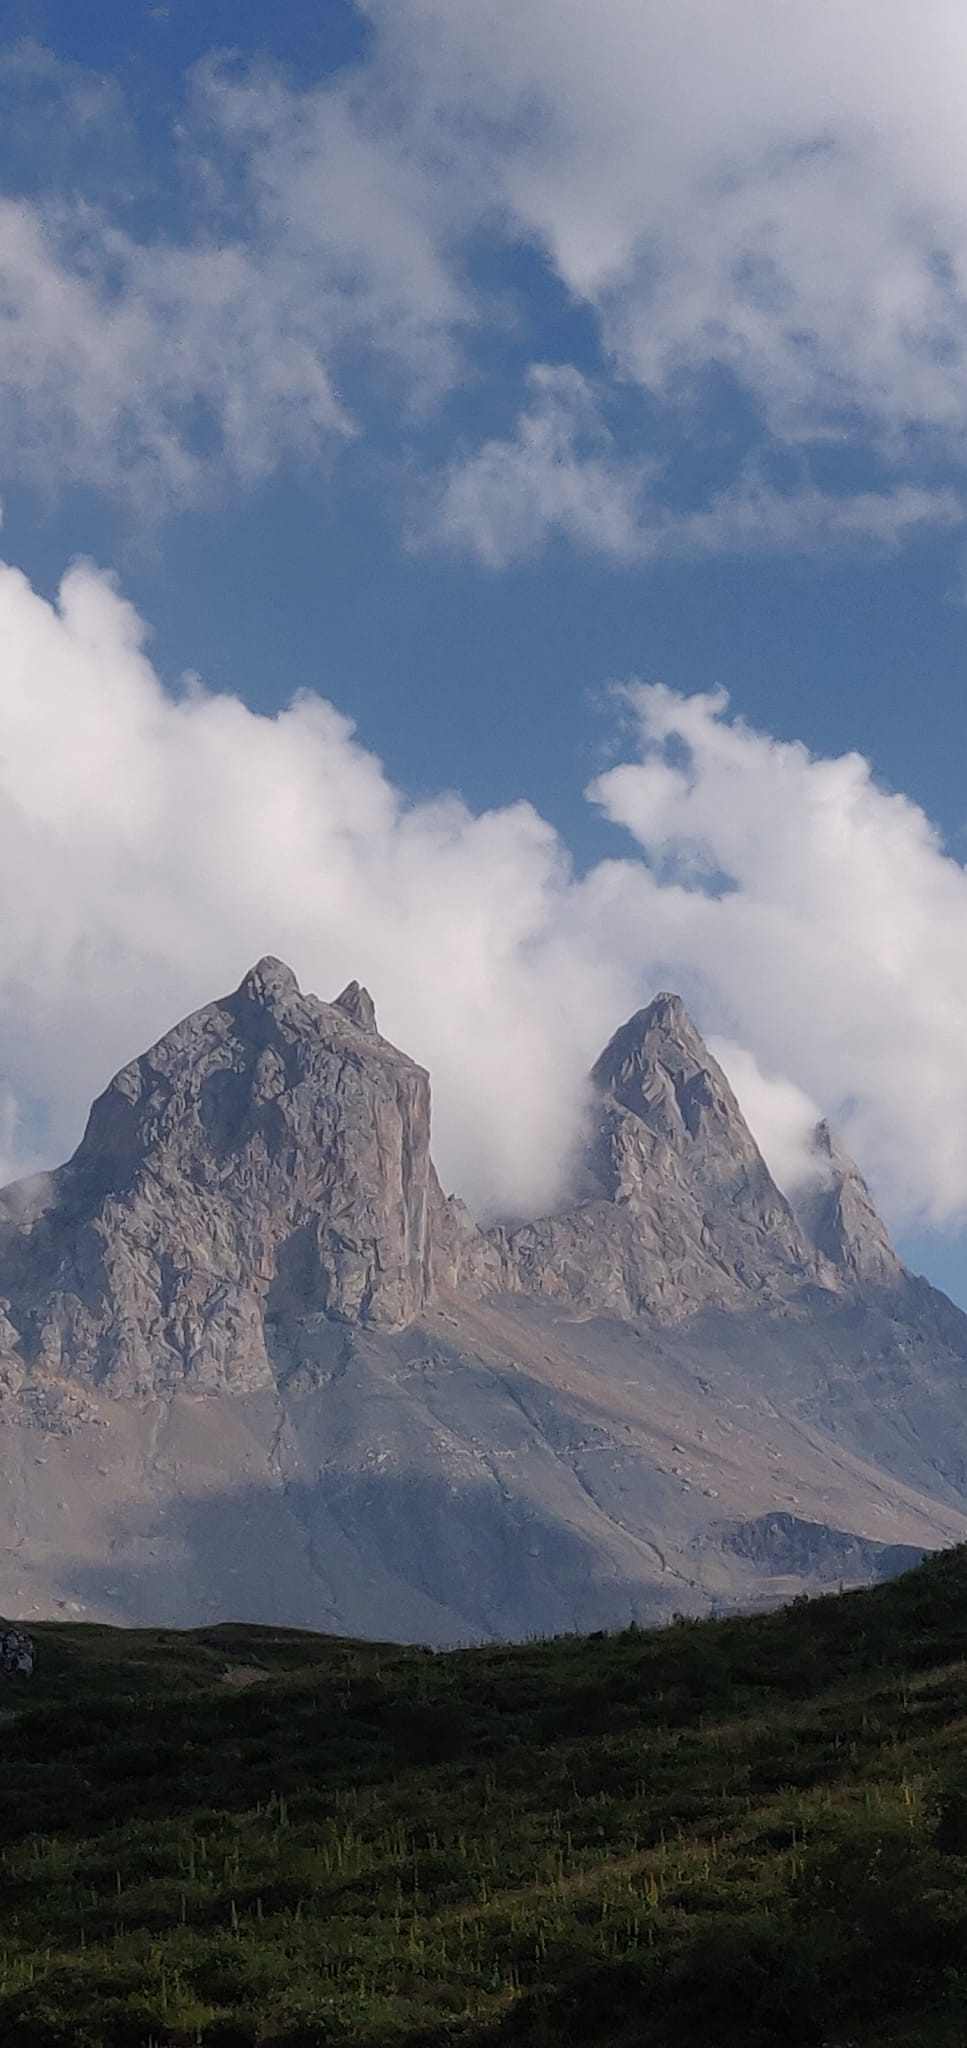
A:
(776, 191)
(759, 202)
(160, 366)
(783, 1117)
(147, 371)
(152, 846)
(562, 472)
(823, 919)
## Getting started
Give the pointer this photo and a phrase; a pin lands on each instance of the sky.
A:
(484, 501)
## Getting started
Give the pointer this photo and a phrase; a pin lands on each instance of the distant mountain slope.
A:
(253, 1361)
(740, 1833)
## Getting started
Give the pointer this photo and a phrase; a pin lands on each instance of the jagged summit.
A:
(253, 1363)
(358, 1004)
(659, 1071)
(677, 1209)
(270, 1155)
(838, 1214)
(633, 1044)
(269, 981)
(272, 985)
(660, 1039)
(269, 1160)
(658, 1068)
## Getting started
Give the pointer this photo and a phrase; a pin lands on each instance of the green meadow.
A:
(718, 1835)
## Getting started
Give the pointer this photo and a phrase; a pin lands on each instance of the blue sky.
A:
(455, 362)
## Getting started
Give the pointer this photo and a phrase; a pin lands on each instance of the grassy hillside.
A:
(743, 1832)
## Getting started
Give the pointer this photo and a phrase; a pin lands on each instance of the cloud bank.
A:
(153, 846)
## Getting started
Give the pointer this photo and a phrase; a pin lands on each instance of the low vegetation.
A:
(721, 1835)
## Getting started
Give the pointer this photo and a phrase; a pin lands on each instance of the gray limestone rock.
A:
(838, 1216)
(254, 1363)
(787, 1546)
(676, 1208)
(359, 1005)
(271, 1153)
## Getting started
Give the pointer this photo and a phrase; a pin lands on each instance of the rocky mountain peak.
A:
(677, 1210)
(659, 1070)
(637, 1043)
(266, 1167)
(268, 1158)
(839, 1217)
(253, 1362)
(359, 1005)
(269, 982)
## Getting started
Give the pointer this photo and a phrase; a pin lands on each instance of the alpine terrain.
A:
(254, 1362)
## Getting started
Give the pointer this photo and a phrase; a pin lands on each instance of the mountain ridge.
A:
(244, 1335)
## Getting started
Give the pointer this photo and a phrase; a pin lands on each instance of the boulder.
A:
(16, 1652)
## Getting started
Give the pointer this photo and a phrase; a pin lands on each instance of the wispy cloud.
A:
(772, 197)
(561, 472)
(160, 367)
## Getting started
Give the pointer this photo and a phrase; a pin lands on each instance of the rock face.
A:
(791, 1548)
(271, 1150)
(678, 1210)
(837, 1214)
(254, 1363)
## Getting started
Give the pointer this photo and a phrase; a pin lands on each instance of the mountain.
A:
(679, 1210)
(837, 1213)
(254, 1362)
(271, 1151)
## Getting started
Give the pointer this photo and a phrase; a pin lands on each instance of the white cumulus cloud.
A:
(825, 918)
(783, 1116)
(560, 473)
(152, 846)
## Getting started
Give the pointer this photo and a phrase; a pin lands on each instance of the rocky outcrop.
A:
(677, 1211)
(837, 1214)
(787, 1547)
(17, 1652)
(269, 1157)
